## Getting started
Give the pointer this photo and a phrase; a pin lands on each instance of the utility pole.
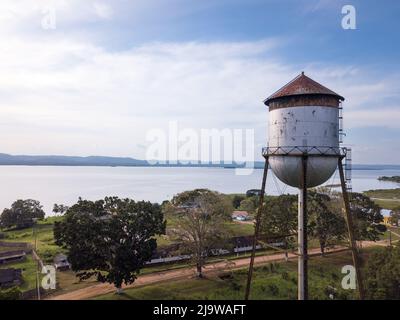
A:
(37, 261)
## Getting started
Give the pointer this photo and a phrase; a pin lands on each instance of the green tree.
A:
(326, 223)
(249, 204)
(367, 218)
(237, 199)
(111, 238)
(201, 227)
(279, 220)
(382, 274)
(22, 214)
(59, 208)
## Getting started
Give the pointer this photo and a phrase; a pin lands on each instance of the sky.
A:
(93, 77)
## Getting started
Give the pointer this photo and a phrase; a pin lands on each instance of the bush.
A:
(273, 267)
(273, 289)
(235, 286)
(334, 276)
(266, 268)
(285, 275)
(237, 200)
(48, 254)
(382, 274)
(13, 293)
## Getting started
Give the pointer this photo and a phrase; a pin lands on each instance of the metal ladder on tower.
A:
(341, 130)
(347, 164)
(347, 172)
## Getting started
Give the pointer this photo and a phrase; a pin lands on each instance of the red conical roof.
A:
(301, 85)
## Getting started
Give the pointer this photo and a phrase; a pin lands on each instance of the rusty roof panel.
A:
(302, 85)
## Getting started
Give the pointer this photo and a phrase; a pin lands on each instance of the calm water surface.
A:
(64, 185)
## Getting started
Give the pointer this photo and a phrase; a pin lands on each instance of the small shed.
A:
(12, 256)
(10, 277)
(61, 262)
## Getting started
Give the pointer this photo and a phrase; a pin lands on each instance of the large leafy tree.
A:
(367, 218)
(200, 227)
(111, 238)
(21, 214)
(382, 274)
(279, 220)
(326, 223)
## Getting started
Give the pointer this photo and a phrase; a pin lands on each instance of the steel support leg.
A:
(350, 228)
(256, 229)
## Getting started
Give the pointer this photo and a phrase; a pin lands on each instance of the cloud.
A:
(68, 95)
(379, 117)
(102, 10)
(116, 97)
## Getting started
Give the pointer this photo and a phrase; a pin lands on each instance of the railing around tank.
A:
(300, 150)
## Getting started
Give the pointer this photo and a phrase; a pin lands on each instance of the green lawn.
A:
(385, 198)
(384, 193)
(235, 228)
(272, 281)
(43, 232)
(387, 204)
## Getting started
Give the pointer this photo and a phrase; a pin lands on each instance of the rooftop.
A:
(237, 213)
(301, 85)
(9, 275)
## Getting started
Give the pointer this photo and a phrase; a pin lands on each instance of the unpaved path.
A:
(188, 273)
(386, 199)
(179, 274)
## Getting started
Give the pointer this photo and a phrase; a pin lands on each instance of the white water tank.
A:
(303, 120)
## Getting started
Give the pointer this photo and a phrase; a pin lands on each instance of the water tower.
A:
(303, 151)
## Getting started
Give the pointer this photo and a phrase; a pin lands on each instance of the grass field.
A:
(385, 198)
(272, 281)
(43, 233)
(387, 203)
(384, 193)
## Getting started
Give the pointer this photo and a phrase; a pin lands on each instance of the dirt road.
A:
(179, 274)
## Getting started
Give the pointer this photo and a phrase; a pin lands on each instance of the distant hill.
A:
(6, 159)
(376, 167)
(53, 160)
